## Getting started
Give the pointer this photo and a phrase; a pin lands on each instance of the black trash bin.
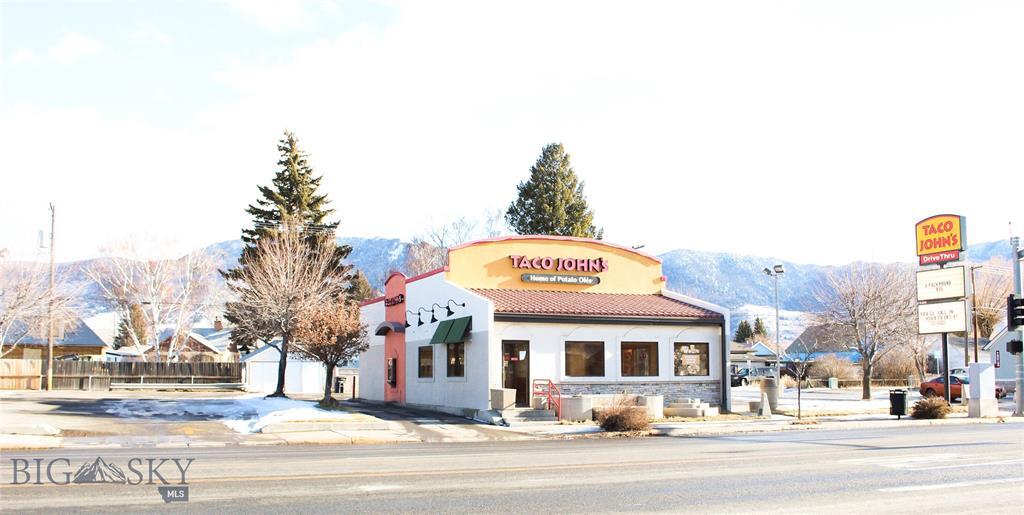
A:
(898, 403)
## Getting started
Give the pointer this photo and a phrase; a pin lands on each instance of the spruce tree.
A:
(759, 327)
(293, 195)
(136, 322)
(551, 201)
(360, 290)
(743, 332)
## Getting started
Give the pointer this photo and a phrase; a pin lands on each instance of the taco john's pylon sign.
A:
(940, 239)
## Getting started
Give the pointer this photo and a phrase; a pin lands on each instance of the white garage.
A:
(301, 376)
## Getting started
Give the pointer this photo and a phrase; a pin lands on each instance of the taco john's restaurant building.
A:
(591, 317)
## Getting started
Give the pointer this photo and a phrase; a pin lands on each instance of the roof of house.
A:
(76, 333)
(819, 339)
(209, 337)
(585, 304)
(218, 340)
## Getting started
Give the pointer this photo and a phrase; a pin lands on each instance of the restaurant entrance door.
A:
(515, 369)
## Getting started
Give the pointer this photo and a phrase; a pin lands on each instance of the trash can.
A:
(770, 387)
(898, 403)
(833, 383)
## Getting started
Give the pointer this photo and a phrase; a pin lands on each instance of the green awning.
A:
(452, 331)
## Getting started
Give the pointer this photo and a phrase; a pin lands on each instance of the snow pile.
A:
(248, 414)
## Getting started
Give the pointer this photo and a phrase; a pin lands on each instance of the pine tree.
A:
(743, 332)
(292, 195)
(136, 322)
(551, 201)
(759, 327)
(360, 289)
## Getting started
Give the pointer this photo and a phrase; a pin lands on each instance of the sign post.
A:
(941, 308)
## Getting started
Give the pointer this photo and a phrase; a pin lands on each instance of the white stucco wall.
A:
(371, 362)
(547, 348)
(471, 391)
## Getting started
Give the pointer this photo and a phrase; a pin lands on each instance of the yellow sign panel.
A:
(940, 233)
(554, 263)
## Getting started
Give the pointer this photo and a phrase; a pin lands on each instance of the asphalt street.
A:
(972, 468)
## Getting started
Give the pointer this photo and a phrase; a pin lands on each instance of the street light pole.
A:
(49, 335)
(775, 272)
(778, 345)
(1015, 262)
(974, 321)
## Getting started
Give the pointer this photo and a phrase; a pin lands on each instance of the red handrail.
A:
(549, 390)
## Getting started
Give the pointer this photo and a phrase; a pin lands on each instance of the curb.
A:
(826, 425)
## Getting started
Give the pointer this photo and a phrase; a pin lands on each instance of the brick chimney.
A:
(218, 325)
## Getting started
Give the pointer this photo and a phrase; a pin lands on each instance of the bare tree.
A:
(332, 334)
(875, 302)
(173, 293)
(292, 272)
(993, 283)
(429, 251)
(25, 302)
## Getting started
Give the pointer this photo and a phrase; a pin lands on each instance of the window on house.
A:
(639, 359)
(456, 359)
(691, 359)
(584, 359)
(426, 358)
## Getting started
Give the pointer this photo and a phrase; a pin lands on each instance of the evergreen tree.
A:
(743, 332)
(759, 327)
(551, 201)
(292, 195)
(136, 322)
(360, 289)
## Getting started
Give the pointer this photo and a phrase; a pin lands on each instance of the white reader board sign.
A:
(942, 283)
(942, 317)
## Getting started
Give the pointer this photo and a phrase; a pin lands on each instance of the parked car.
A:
(745, 376)
(936, 386)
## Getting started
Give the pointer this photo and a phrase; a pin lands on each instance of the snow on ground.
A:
(842, 400)
(247, 414)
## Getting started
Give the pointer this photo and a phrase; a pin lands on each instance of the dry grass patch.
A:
(624, 418)
(930, 408)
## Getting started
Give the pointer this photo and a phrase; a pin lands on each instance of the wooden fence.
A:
(29, 374)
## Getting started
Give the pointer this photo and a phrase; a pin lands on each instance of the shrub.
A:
(624, 418)
(930, 407)
(895, 364)
(831, 366)
(787, 382)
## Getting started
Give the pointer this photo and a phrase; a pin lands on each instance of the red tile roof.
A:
(537, 302)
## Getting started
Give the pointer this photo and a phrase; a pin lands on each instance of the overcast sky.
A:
(814, 131)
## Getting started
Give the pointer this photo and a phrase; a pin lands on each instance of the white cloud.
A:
(25, 56)
(276, 15)
(73, 46)
(147, 31)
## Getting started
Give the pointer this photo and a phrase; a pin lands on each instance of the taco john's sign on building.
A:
(940, 239)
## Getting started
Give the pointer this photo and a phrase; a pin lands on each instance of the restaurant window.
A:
(426, 361)
(639, 359)
(456, 359)
(691, 359)
(584, 359)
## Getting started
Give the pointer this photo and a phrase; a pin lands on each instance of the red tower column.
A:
(394, 341)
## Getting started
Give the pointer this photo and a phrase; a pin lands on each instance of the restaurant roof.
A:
(584, 304)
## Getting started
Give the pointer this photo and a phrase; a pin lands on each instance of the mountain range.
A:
(735, 281)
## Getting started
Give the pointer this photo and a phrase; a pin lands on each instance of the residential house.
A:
(824, 340)
(73, 339)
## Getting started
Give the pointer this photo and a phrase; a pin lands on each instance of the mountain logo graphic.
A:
(99, 471)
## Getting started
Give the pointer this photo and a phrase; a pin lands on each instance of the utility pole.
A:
(974, 320)
(49, 309)
(1015, 261)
